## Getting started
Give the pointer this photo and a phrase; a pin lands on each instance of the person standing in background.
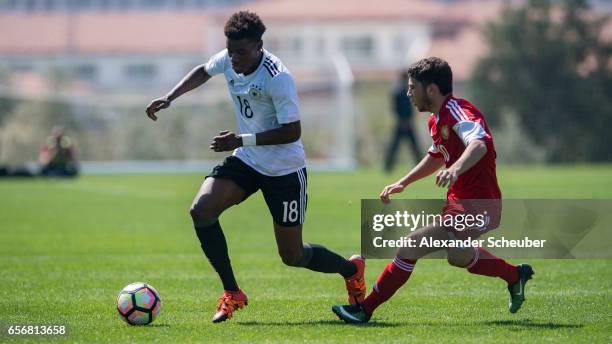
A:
(402, 108)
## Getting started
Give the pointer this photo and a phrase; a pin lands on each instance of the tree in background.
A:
(551, 67)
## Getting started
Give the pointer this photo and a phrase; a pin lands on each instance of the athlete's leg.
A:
(215, 195)
(289, 243)
(479, 260)
(314, 257)
(286, 198)
(482, 262)
(399, 270)
(460, 257)
(229, 183)
(395, 275)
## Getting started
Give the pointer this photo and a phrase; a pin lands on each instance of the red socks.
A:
(488, 264)
(392, 278)
(399, 270)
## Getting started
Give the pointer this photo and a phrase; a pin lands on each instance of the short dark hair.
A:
(244, 24)
(433, 70)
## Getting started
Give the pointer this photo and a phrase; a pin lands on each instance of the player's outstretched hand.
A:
(225, 141)
(391, 189)
(446, 178)
(156, 105)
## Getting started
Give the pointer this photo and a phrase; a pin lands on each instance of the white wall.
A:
(111, 71)
(301, 45)
(320, 41)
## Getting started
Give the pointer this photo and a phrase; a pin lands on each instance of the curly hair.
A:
(433, 70)
(244, 24)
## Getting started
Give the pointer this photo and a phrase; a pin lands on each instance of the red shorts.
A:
(471, 218)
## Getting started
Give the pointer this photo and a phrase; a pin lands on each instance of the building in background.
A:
(101, 61)
(128, 45)
(46, 6)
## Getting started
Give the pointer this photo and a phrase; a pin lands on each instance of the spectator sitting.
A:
(57, 157)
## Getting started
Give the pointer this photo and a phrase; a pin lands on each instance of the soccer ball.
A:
(138, 304)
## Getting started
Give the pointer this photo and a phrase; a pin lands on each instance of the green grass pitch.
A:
(68, 247)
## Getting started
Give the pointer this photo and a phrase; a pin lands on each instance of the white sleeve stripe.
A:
(457, 107)
(433, 148)
(458, 110)
(453, 113)
(458, 115)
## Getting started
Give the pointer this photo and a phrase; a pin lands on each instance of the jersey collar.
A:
(449, 97)
(264, 54)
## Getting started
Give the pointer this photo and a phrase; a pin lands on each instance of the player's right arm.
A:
(427, 166)
(195, 78)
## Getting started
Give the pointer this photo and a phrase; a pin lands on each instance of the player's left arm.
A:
(472, 154)
(286, 133)
(470, 129)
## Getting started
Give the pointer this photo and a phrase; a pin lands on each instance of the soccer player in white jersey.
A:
(267, 154)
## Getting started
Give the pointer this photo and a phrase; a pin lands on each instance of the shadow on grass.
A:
(524, 324)
(150, 325)
(529, 324)
(316, 322)
(521, 324)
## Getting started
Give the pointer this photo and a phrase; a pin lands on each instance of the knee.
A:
(291, 257)
(409, 253)
(203, 210)
(459, 257)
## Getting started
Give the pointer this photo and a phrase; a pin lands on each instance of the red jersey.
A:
(457, 123)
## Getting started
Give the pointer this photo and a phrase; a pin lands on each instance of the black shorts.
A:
(285, 196)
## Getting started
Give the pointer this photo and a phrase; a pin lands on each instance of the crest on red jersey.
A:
(444, 132)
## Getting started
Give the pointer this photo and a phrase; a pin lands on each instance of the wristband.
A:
(248, 140)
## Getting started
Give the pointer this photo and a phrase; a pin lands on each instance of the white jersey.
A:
(263, 100)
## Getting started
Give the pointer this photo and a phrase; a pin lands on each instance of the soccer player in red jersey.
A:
(463, 147)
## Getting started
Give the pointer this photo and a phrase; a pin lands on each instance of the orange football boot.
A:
(229, 302)
(355, 285)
